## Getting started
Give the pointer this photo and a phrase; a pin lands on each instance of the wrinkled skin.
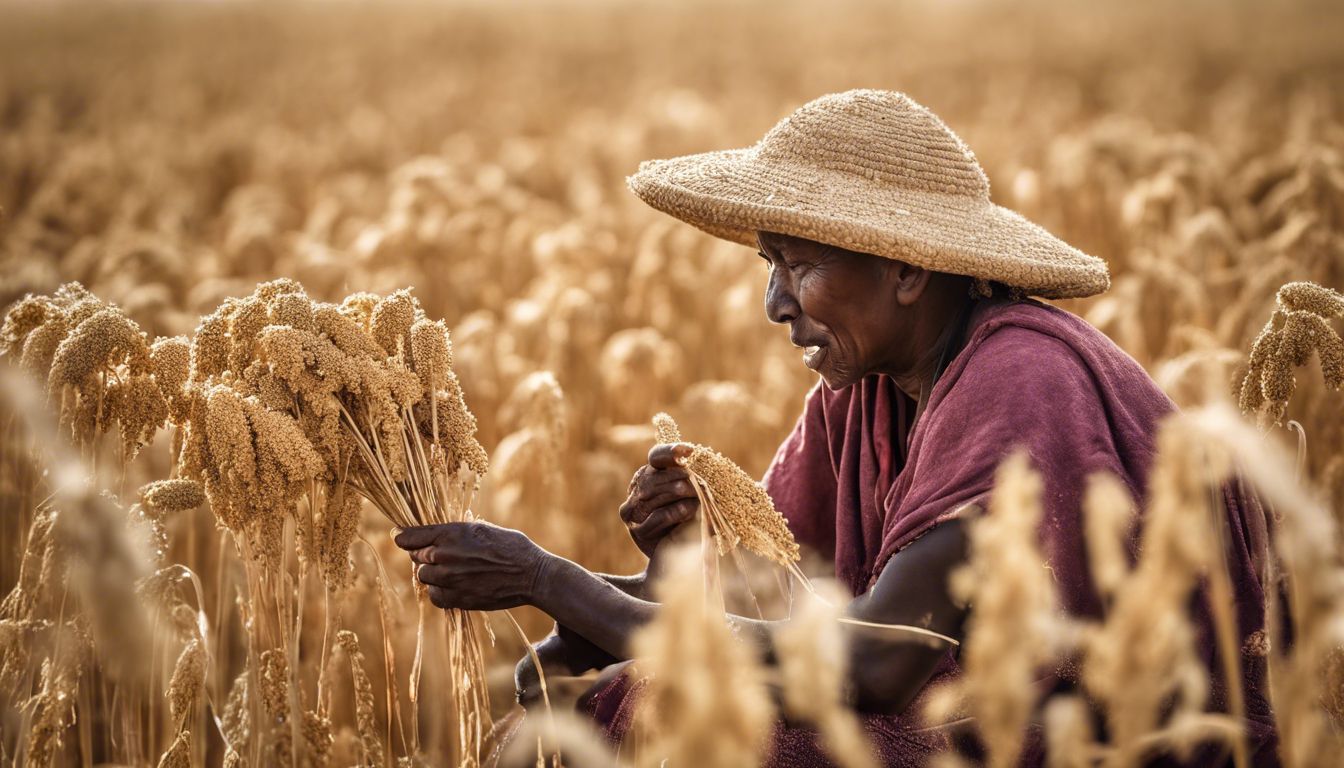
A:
(865, 315)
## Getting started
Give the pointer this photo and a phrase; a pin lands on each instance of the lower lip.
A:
(816, 359)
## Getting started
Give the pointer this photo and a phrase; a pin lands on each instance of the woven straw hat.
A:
(874, 172)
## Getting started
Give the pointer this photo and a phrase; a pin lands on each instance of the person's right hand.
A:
(661, 497)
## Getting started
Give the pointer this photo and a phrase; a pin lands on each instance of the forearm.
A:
(886, 668)
(633, 585)
(592, 606)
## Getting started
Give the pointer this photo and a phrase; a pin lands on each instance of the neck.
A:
(933, 334)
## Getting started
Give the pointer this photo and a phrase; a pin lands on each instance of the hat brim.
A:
(733, 194)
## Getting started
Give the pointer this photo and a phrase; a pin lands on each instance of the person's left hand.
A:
(474, 566)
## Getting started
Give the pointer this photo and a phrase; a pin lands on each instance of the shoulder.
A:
(1027, 347)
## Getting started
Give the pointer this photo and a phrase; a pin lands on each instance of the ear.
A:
(908, 281)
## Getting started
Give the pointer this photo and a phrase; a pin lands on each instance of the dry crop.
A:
(195, 495)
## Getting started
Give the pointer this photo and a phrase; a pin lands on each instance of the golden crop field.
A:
(223, 178)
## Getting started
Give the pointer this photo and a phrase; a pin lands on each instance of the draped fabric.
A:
(858, 483)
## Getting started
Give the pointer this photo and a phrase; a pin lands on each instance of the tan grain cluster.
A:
(141, 240)
(364, 703)
(743, 512)
(1299, 326)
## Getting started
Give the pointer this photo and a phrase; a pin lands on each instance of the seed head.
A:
(359, 307)
(184, 689)
(345, 332)
(457, 428)
(705, 699)
(179, 754)
(237, 719)
(274, 677)
(292, 309)
(392, 319)
(170, 358)
(39, 349)
(1305, 296)
(364, 702)
(210, 343)
(232, 463)
(106, 339)
(1109, 515)
(249, 317)
(179, 495)
(431, 353)
(665, 429)
(1297, 328)
(318, 738)
(277, 287)
(28, 314)
(338, 527)
(139, 409)
(746, 510)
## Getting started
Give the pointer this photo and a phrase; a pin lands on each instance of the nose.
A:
(781, 306)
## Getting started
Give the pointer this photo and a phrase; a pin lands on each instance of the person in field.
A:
(907, 291)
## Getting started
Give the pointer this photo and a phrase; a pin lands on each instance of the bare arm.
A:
(912, 590)
(887, 670)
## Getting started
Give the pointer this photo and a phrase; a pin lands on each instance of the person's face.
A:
(839, 306)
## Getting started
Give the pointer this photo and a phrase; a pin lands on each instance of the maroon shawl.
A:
(857, 485)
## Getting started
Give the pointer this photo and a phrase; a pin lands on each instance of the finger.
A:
(425, 555)
(658, 478)
(636, 509)
(639, 474)
(666, 455)
(664, 519)
(670, 494)
(434, 575)
(418, 537)
(630, 513)
(441, 598)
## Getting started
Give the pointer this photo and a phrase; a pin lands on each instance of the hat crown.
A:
(882, 136)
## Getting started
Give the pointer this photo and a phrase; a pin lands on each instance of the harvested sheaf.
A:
(741, 512)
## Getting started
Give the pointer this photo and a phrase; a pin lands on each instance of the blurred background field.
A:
(170, 155)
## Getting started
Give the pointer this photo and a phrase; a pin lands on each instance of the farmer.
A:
(904, 286)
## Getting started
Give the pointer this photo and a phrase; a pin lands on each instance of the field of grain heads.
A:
(207, 204)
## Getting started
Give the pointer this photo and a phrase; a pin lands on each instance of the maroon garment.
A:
(857, 485)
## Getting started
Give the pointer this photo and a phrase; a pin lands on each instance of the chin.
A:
(835, 382)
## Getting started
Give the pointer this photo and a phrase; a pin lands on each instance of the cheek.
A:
(822, 304)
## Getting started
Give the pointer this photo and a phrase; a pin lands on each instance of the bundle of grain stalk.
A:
(736, 511)
(297, 409)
